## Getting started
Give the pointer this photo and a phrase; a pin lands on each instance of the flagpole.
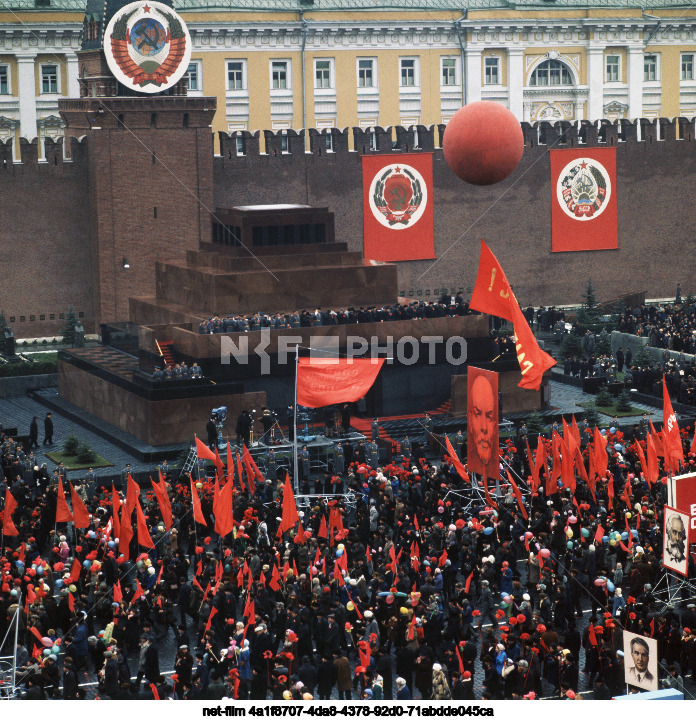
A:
(14, 650)
(296, 477)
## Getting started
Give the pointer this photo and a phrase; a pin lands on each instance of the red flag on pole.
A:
(657, 440)
(600, 453)
(75, 570)
(322, 533)
(8, 526)
(652, 472)
(325, 381)
(219, 466)
(467, 584)
(533, 470)
(230, 465)
(274, 583)
(518, 495)
(540, 458)
(251, 470)
(489, 500)
(144, 538)
(202, 451)
(240, 474)
(599, 535)
(674, 453)
(289, 516)
(118, 594)
(196, 501)
(80, 512)
(163, 500)
(139, 593)
(213, 611)
(62, 509)
(224, 521)
(126, 531)
(115, 508)
(455, 461)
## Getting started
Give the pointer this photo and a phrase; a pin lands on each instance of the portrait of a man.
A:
(640, 661)
(482, 422)
(675, 550)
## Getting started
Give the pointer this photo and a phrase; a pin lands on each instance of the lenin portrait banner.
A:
(640, 661)
(583, 200)
(482, 422)
(681, 494)
(398, 207)
(675, 553)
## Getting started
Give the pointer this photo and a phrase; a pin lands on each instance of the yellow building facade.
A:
(281, 64)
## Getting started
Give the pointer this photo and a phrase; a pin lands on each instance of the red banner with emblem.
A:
(583, 199)
(398, 207)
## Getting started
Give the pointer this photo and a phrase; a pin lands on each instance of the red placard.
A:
(675, 540)
(583, 200)
(398, 207)
(482, 422)
(681, 494)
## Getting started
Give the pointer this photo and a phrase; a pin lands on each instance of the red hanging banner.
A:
(323, 382)
(398, 207)
(583, 199)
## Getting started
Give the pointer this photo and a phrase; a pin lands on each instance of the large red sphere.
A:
(483, 143)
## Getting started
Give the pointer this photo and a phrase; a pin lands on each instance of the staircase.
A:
(170, 356)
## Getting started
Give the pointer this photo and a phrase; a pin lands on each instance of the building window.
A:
(408, 72)
(373, 140)
(329, 143)
(284, 145)
(551, 72)
(4, 80)
(449, 71)
(235, 75)
(650, 68)
(366, 73)
(194, 77)
(322, 74)
(613, 69)
(492, 71)
(687, 67)
(279, 74)
(49, 78)
(240, 145)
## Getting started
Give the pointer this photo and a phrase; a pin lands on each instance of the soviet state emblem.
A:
(583, 189)
(398, 196)
(147, 46)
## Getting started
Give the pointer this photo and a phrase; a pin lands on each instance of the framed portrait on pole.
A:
(482, 422)
(675, 537)
(640, 661)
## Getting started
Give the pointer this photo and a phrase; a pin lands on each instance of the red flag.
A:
(578, 222)
(253, 472)
(567, 467)
(599, 535)
(652, 472)
(657, 440)
(224, 520)
(533, 469)
(674, 453)
(493, 294)
(202, 451)
(240, 474)
(139, 593)
(118, 595)
(219, 466)
(163, 500)
(75, 570)
(518, 495)
(8, 526)
(576, 432)
(213, 611)
(230, 464)
(144, 538)
(196, 501)
(610, 490)
(274, 583)
(325, 381)
(126, 531)
(467, 584)
(115, 508)
(71, 602)
(580, 465)
(132, 493)
(289, 515)
(592, 636)
(489, 500)
(321, 533)
(552, 484)
(600, 453)
(82, 519)
(456, 462)
(62, 509)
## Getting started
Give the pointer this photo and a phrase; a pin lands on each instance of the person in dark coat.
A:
(326, 674)
(403, 692)
(34, 433)
(48, 430)
(111, 683)
(70, 681)
(384, 669)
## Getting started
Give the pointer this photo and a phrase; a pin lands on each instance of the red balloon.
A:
(483, 143)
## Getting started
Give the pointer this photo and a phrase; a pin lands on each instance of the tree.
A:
(604, 398)
(535, 423)
(592, 415)
(571, 345)
(85, 454)
(603, 345)
(70, 445)
(70, 328)
(642, 359)
(623, 402)
(588, 315)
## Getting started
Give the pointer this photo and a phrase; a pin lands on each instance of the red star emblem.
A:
(146, 8)
(583, 164)
(397, 169)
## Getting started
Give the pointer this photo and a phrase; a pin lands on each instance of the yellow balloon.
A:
(569, 533)
(628, 515)
(612, 542)
(341, 547)
(350, 606)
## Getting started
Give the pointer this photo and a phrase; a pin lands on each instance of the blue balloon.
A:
(20, 564)
(59, 583)
(612, 430)
(339, 553)
(624, 536)
(40, 571)
(488, 530)
(610, 587)
(634, 533)
(87, 564)
(111, 544)
(605, 539)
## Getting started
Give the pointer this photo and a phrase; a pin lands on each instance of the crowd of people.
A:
(429, 588)
(671, 326)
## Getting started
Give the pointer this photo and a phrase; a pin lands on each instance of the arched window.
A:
(551, 72)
